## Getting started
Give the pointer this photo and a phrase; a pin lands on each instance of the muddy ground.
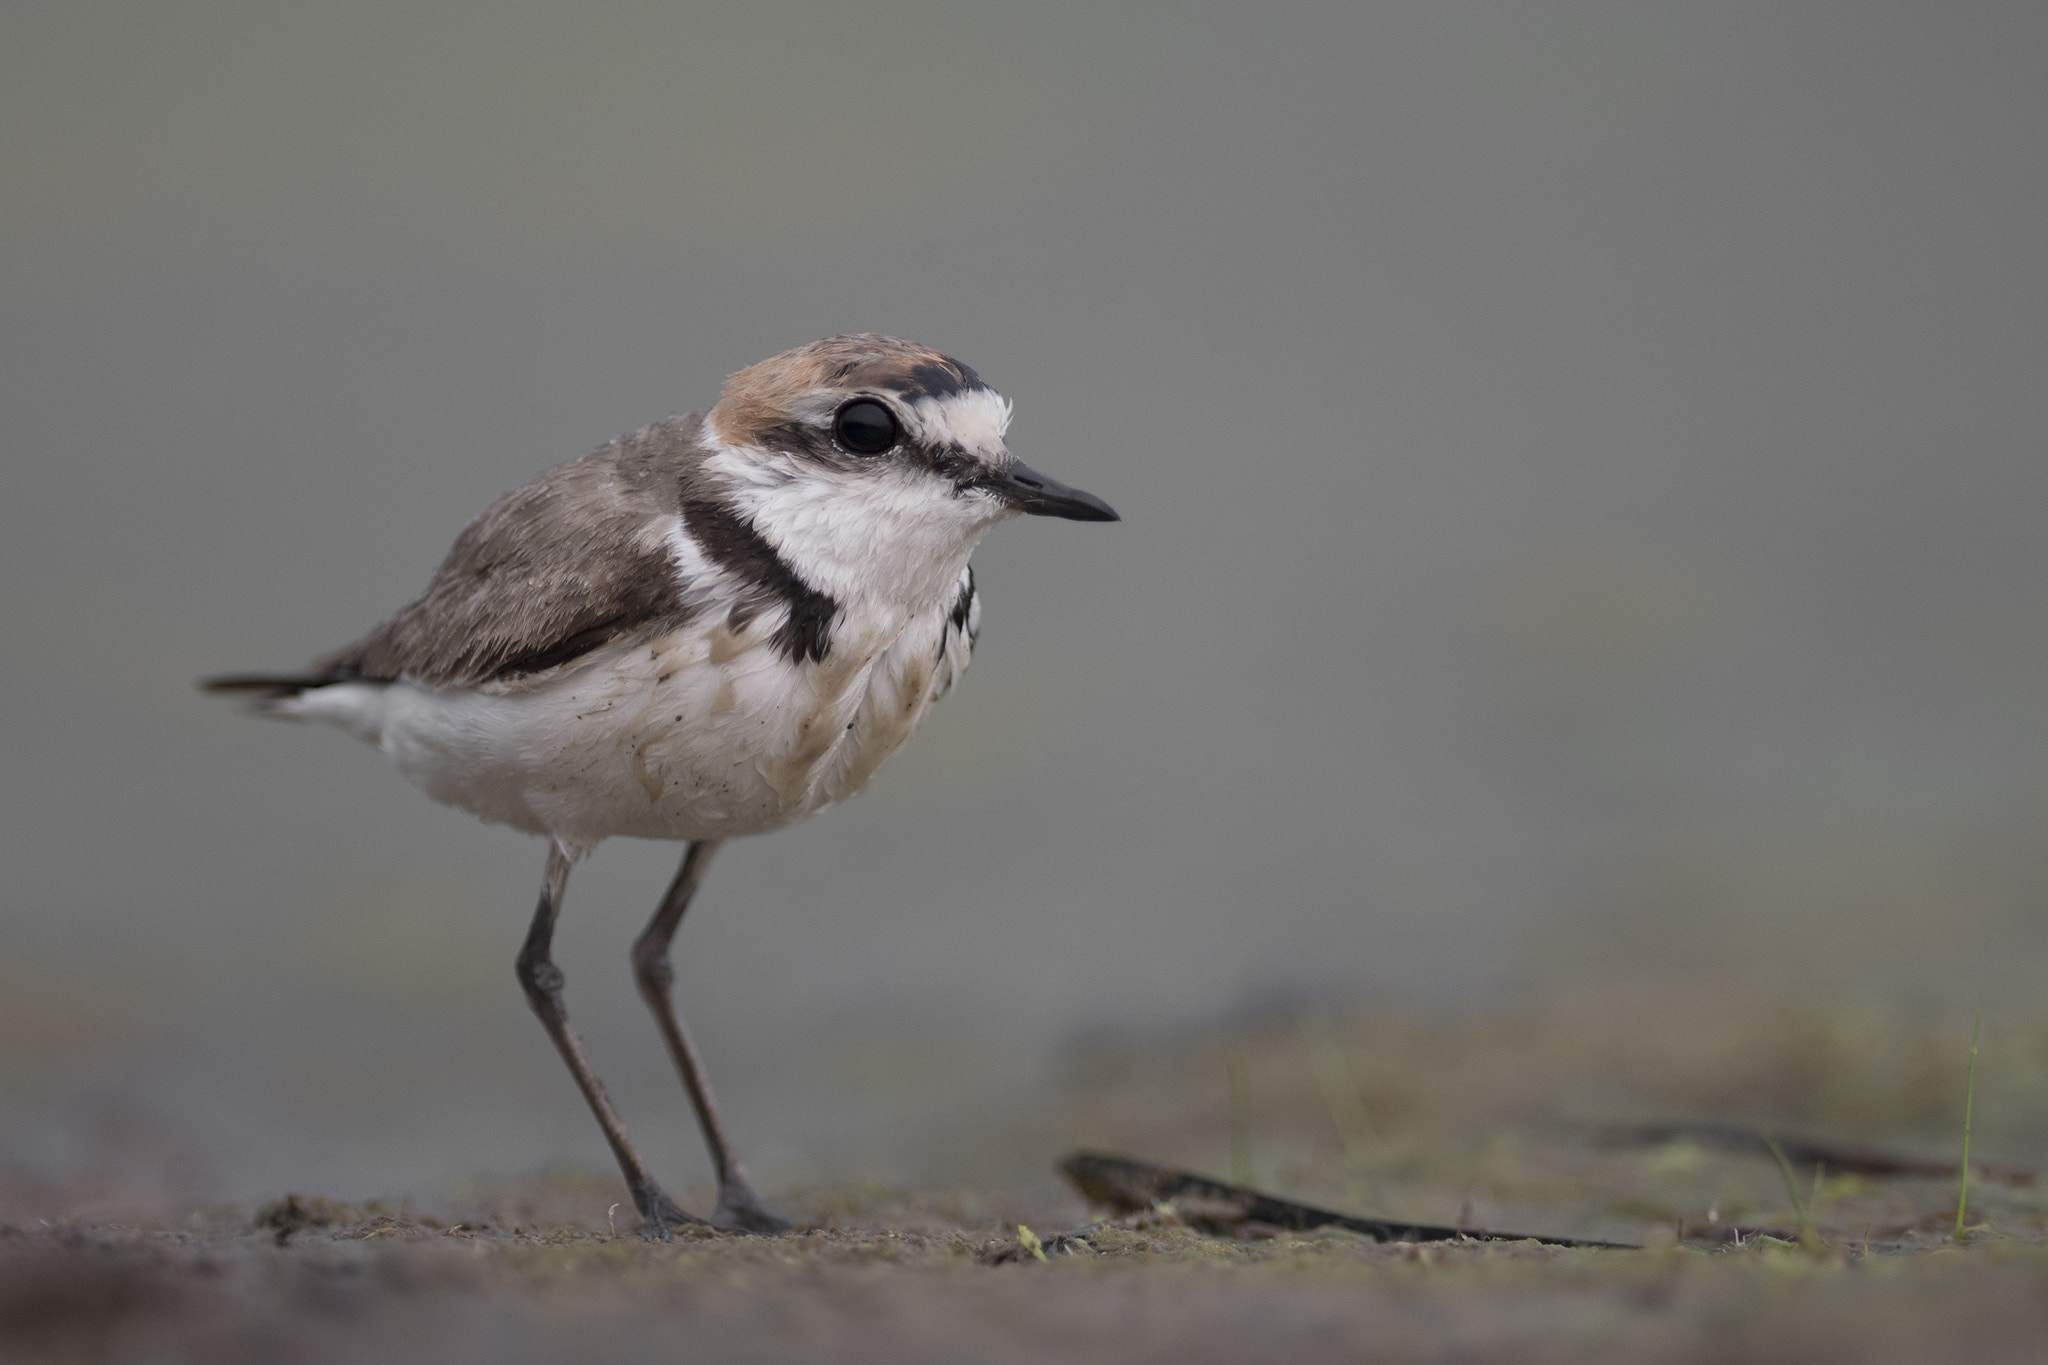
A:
(1514, 1119)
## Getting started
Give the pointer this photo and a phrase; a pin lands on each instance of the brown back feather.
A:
(573, 560)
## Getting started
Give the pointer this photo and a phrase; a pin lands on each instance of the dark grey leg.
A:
(738, 1205)
(543, 981)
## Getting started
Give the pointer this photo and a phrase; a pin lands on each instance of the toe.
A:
(743, 1213)
(662, 1214)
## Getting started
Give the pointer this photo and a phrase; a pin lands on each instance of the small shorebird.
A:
(715, 626)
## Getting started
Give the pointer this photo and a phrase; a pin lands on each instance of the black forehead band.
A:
(932, 379)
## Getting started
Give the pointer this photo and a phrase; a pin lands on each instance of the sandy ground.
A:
(1502, 1120)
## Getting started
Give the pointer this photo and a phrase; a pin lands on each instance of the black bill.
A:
(1029, 491)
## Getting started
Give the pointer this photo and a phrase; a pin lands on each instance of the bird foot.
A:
(662, 1214)
(739, 1210)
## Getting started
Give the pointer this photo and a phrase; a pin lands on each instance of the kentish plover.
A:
(715, 626)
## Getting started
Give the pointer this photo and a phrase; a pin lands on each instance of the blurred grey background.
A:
(1583, 468)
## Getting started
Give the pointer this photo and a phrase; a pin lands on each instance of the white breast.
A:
(702, 732)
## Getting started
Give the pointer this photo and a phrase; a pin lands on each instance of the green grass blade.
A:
(1969, 1099)
(1240, 1117)
(1807, 1236)
(1340, 1093)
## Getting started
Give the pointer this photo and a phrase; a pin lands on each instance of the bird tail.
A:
(266, 691)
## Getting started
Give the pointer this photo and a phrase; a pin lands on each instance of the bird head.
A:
(867, 412)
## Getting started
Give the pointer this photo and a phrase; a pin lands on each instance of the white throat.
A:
(888, 541)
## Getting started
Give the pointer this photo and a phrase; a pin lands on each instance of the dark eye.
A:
(865, 427)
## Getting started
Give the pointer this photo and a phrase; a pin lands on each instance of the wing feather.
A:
(550, 571)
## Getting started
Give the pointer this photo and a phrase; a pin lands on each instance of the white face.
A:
(974, 421)
(871, 497)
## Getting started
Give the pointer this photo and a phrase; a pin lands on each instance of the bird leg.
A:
(543, 981)
(738, 1206)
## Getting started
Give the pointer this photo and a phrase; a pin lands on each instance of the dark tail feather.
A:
(270, 686)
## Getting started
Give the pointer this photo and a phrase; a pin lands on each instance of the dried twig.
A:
(1131, 1186)
(1839, 1157)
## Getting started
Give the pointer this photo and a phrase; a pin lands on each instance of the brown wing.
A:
(576, 558)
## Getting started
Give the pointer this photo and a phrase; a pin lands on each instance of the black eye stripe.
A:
(865, 426)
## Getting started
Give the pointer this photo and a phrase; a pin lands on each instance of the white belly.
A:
(700, 733)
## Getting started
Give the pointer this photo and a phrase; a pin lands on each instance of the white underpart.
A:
(704, 731)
